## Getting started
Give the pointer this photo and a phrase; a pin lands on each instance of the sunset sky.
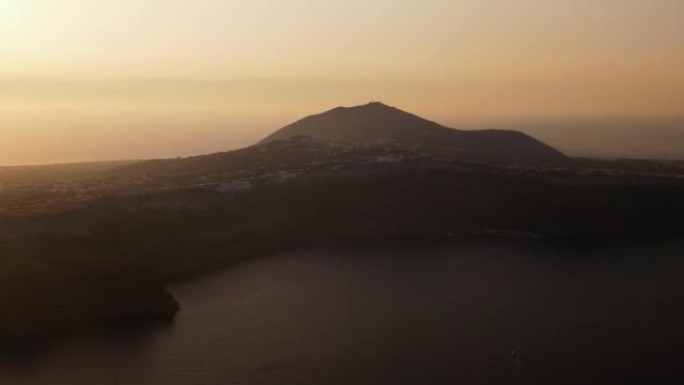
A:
(111, 79)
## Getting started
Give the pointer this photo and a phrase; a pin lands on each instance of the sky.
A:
(100, 79)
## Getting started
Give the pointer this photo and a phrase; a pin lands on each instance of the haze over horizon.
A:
(99, 80)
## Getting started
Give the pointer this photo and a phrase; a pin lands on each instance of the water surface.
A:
(469, 312)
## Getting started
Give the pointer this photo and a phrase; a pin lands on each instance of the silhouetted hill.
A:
(376, 122)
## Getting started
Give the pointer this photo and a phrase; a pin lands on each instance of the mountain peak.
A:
(367, 108)
(376, 122)
(377, 105)
(371, 122)
(371, 104)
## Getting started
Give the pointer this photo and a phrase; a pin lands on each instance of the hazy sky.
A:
(103, 79)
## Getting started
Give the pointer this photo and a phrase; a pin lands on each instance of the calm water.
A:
(400, 313)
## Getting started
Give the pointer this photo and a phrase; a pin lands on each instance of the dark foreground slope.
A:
(376, 122)
(110, 258)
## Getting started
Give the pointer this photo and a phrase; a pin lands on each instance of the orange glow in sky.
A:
(99, 79)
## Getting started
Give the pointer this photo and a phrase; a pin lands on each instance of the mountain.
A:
(103, 247)
(376, 123)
